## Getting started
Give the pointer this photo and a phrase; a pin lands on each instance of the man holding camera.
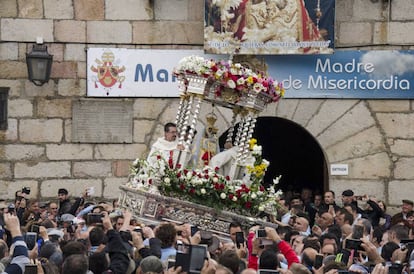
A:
(65, 205)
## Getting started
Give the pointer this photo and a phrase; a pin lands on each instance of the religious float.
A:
(182, 190)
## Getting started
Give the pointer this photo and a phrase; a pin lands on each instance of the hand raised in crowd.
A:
(256, 247)
(399, 255)
(272, 234)
(148, 232)
(174, 270)
(196, 238)
(185, 231)
(85, 193)
(33, 254)
(209, 267)
(371, 251)
(317, 230)
(127, 219)
(106, 221)
(242, 250)
(254, 228)
(39, 267)
(12, 224)
(380, 269)
(319, 270)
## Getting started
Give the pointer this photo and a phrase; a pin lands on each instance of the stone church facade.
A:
(374, 137)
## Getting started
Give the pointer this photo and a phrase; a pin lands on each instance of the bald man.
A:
(308, 256)
(302, 226)
(322, 222)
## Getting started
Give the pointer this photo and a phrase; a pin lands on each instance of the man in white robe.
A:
(166, 146)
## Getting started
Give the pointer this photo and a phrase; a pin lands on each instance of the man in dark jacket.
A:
(65, 205)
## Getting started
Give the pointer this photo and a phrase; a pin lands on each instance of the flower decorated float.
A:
(201, 194)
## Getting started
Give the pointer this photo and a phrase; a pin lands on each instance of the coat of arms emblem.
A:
(108, 72)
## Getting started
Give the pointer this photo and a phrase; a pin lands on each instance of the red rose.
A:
(227, 178)
(158, 157)
(182, 186)
(231, 196)
(192, 191)
(150, 181)
(216, 169)
(248, 204)
(234, 77)
(262, 188)
(185, 171)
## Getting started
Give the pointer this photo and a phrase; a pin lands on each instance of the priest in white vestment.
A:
(165, 146)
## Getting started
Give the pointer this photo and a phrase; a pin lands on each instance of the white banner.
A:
(117, 72)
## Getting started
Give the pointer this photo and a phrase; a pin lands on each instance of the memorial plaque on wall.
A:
(102, 121)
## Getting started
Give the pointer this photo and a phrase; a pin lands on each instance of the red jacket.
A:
(283, 246)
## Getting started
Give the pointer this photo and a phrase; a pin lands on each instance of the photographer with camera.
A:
(66, 206)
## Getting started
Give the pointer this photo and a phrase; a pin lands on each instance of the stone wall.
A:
(375, 137)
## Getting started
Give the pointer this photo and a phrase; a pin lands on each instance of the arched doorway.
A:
(292, 152)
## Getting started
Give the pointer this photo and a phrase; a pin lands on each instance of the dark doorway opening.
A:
(292, 152)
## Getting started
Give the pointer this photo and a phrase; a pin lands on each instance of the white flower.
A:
(231, 84)
(258, 87)
(265, 162)
(136, 162)
(234, 199)
(203, 191)
(223, 195)
(189, 175)
(276, 180)
(198, 181)
(261, 208)
(240, 81)
(215, 180)
(254, 196)
(278, 193)
(257, 149)
(167, 180)
(219, 72)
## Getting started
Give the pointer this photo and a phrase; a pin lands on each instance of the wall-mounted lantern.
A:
(39, 64)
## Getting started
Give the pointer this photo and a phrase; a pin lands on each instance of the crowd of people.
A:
(314, 235)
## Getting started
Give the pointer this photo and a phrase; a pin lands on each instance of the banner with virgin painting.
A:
(269, 26)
